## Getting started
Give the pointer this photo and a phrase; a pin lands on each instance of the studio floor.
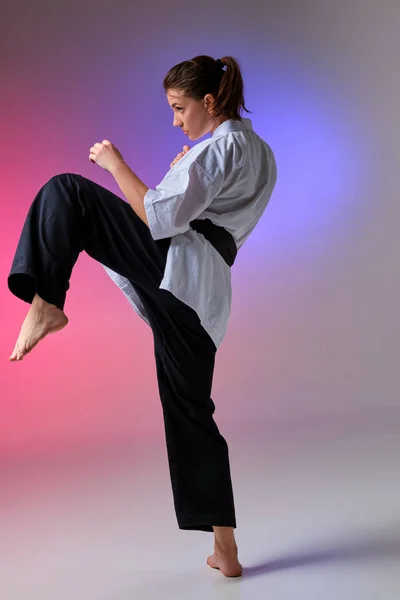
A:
(318, 517)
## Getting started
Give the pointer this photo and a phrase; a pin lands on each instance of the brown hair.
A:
(204, 75)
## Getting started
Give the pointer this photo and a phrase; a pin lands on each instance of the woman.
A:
(170, 251)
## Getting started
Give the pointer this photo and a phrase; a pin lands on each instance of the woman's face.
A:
(192, 116)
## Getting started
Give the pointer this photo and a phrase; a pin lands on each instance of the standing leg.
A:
(197, 452)
(68, 215)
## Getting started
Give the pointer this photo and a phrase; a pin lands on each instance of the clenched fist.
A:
(105, 155)
(179, 156)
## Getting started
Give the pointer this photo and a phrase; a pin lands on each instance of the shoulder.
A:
(222, 155)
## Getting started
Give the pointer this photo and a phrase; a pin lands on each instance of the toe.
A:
(20, 353)
(14, 354)
(212, 562)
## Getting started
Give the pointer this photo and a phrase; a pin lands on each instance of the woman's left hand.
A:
(106, 156)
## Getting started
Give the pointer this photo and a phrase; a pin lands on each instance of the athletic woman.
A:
(170, 250)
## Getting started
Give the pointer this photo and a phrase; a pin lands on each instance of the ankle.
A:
(38, 301)
(225, 546)
(224, 538)
(41, 304)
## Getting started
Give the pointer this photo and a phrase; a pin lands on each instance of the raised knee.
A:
(64, 178)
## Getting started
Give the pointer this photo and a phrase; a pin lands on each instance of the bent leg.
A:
(71, 214)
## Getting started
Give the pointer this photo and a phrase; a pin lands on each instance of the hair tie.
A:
(219, 63)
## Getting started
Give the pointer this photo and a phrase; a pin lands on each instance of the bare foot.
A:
(42, 318)
(226, 560)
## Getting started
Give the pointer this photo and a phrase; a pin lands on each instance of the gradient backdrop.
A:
(313, 342)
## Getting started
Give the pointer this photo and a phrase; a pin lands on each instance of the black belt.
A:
(219, 237)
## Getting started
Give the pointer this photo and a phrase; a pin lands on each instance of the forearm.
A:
(132, 187)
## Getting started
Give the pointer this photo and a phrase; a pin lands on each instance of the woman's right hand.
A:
(179, 156)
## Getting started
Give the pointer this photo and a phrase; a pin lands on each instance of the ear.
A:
(208, 102)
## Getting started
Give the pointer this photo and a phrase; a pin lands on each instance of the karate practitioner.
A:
(170, 250)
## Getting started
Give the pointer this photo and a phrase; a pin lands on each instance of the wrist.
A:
(119, 167)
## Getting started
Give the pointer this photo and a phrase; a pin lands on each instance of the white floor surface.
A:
(317, 518)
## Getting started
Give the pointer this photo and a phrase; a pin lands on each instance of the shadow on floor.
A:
(376, 546)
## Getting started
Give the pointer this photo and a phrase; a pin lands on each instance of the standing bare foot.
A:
(225, 557)
(42, 318)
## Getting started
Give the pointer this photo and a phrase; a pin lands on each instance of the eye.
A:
(179, 109)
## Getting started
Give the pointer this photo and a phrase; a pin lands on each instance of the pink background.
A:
(313, 338)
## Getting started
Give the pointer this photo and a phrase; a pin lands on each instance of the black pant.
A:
(71, 214)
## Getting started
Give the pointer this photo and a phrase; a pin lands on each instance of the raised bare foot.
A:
(226, 560)
(43, 318)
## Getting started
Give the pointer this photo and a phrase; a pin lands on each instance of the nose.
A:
(177, 122)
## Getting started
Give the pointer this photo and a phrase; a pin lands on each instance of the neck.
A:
(219, 122)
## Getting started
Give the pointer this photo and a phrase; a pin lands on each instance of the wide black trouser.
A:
(71, 214)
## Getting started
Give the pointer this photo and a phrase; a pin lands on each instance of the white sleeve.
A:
(180, 197)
